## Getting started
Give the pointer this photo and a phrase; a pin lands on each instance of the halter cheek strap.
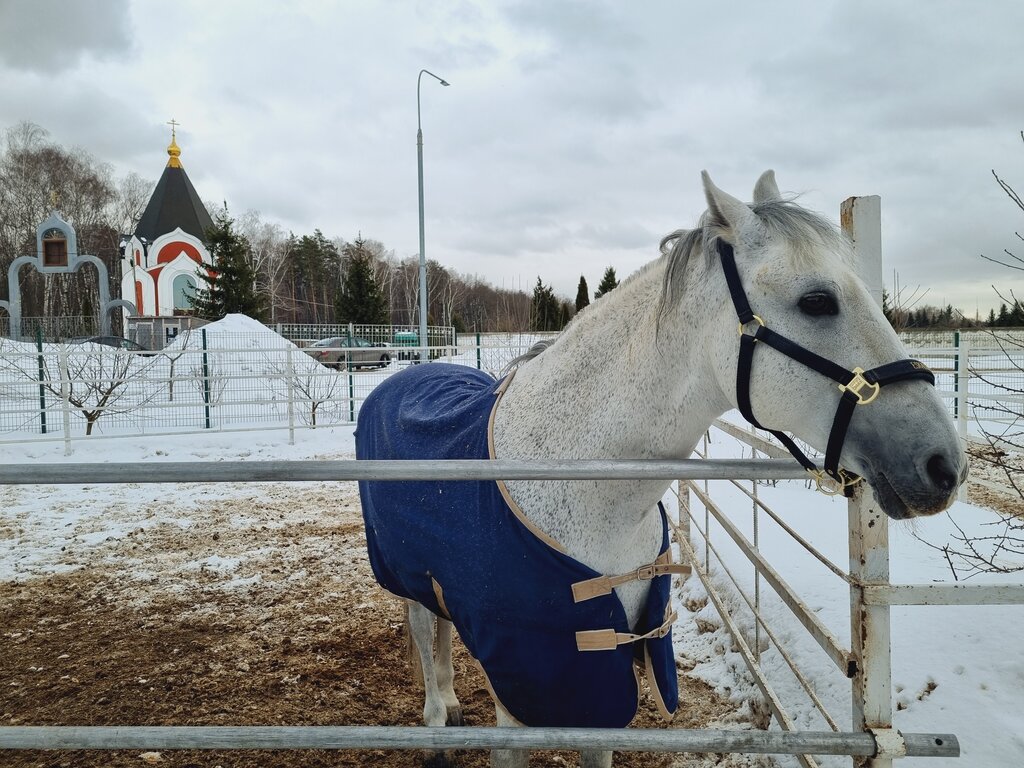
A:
(858, 387)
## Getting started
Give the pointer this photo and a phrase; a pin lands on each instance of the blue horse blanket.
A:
(460, 549)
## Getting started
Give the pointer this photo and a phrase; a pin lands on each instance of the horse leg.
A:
(508, 758)
(595, 758)
(421, 630)
(446, 673)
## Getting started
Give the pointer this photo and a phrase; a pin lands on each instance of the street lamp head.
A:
(445, 82)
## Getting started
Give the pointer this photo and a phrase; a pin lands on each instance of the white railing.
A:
(867, 662)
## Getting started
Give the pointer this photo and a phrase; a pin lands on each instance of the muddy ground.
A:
(996, 478)
(253, 609)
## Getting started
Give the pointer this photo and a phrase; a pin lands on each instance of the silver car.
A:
(335, 353)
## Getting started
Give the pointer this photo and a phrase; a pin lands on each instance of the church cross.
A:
(173, 123)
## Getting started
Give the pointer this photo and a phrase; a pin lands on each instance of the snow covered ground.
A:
(955, 669)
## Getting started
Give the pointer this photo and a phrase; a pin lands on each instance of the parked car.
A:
(118, 342)
(334, 352)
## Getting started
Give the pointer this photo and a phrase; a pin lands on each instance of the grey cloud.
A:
(52, 35)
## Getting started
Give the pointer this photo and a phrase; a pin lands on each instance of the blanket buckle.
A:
(646, 572)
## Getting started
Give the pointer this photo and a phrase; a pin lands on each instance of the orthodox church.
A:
(161, 260)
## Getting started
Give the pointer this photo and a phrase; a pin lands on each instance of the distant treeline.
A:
(298, 278)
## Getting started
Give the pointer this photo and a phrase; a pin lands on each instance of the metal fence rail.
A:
(395, 737)
(452, 469)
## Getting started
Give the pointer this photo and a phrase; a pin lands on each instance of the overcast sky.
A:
(573, 134)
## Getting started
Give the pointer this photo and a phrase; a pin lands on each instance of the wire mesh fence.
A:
(215, 379)
(205, 379)
(980, 370)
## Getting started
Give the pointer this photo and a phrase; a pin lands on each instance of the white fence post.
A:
(870, 638)
(869, 624)
(65, 397)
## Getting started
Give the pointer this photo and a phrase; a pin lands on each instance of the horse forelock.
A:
(809, 237)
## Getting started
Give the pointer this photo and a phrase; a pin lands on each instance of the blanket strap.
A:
(609, 639)
(603, 585)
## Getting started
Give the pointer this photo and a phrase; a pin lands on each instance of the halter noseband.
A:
(859, 387)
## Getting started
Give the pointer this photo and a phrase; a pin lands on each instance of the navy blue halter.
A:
(859, 387)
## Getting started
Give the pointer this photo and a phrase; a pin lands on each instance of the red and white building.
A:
(162, 259)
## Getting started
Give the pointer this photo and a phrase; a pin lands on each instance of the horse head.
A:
(816, 357)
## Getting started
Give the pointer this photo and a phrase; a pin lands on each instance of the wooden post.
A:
(869, 527)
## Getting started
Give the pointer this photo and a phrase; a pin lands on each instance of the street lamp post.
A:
(423, 255)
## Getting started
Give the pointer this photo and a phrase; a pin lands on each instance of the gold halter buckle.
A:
(830, 486)
(857, 385)
(756, 319)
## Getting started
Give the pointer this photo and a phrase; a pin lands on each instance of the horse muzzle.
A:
(919, 489)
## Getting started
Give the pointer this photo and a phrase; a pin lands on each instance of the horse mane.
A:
(805, 231)
(528, 355)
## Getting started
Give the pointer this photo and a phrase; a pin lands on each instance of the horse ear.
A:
(726, 212)
(766, 189)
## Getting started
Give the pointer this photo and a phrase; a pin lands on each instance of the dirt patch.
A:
(994, 473)
(253, 610)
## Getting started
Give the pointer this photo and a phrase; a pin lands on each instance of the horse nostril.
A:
(941, 473)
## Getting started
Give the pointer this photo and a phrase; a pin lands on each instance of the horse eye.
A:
(816, 304)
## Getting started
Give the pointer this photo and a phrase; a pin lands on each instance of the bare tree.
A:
(94, 380)
(309, 385)
(269, 250)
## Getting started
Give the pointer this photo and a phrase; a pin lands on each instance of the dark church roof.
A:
(174, 203)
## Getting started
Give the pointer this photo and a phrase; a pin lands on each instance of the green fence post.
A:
(206, 381)
(42, 378)
(478, 366)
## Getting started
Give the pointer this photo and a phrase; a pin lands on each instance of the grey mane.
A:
(531, 353)
(804, 230)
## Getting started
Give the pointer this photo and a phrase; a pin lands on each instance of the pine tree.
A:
(360, 299)
(1003, 320)
(231, 282)
(608, 283)
(544, 309)
(582, 294)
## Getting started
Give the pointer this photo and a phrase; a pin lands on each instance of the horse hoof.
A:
(454, 716)
(437, 760)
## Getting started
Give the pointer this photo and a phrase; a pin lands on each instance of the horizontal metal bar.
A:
(944, 594)
(393, 737)
(304, 471)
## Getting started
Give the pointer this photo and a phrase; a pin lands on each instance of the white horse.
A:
(644, 371)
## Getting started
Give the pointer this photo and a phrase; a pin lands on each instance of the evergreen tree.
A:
(314, 264)
(1016, 317)
(991, 318)
(564, 314)
(231, 282)
(544, 309)
(608, 282)
(1003, 319)
(360, 299)
(582, 294)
